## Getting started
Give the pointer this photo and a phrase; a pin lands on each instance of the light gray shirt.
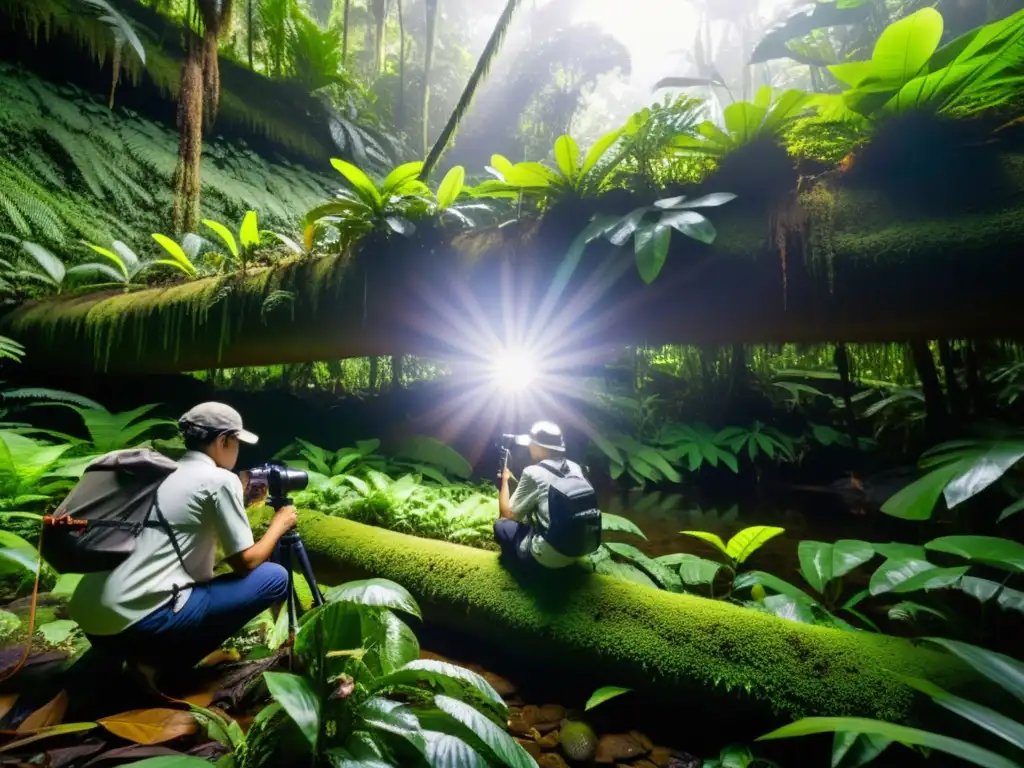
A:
(530, 505)
(203, 504)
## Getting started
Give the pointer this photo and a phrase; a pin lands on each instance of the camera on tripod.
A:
(504, 446)
(278, 479)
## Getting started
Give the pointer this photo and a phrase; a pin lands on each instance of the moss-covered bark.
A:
(626, 634)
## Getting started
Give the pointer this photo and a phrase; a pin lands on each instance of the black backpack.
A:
(574, 521)
(96, 526)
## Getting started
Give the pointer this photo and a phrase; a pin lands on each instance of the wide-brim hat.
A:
(543, 434)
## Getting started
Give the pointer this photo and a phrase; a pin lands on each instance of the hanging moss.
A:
(657, 641)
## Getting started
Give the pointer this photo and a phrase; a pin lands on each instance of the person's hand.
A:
(285, 518)
(504, 475)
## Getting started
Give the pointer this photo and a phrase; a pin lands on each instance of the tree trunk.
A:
(397, 371)
(380, 28)
(934, 402)
(249, 34)
(400, 106)
(374, 370)
(842, 362)
(975, 381)
(190, 147)
(200, 92)
(344, 33)
(431, 7)
(957, 401)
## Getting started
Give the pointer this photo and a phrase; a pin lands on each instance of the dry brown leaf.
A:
(203, 699)
(7, 702)
(50, 714)
(150, 726)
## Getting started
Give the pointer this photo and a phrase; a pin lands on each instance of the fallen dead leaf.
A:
(135, 752)
(150, 726)
(50, 714)
(46, 733)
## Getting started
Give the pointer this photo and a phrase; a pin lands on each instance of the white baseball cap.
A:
(219, 418)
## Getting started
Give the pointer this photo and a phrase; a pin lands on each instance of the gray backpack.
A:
(96, 526)
(574, 520)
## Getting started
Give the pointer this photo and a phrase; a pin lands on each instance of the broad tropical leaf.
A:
(749, 540)
(601, 695)
(820, 563)
(991, 550)
(378, 593)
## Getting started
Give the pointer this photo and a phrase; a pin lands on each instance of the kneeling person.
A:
(552, 519)
(162, 606)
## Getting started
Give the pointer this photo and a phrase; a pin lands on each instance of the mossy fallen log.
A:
(845, 265)
(674, 646)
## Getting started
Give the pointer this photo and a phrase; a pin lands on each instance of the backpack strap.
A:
(561, 469)
(163, 522)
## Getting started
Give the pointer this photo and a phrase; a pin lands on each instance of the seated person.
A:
(525, 525)
(162, 607)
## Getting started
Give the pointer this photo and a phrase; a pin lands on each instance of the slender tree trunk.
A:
(431, 7)
(400, 106)
(842, 362)
(374, 370)
(975, 382)
(934, 402)
(344, 33)
(381, 8)
(957, 401)
(249, 33)
(198, 102)
(397, 371)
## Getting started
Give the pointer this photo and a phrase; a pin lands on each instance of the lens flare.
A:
(514, 370)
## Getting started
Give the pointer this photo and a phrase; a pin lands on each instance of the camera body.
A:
(278, 478)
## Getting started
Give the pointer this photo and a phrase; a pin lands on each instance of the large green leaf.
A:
(399, 646)
(567, 155)
(905, 47)
(601, 695)
(997, 667)
(750, 578)
(901, 733)
(360, 182)
(451, 187)
(447, 751)
(651, 244)
(16, 554)
(749, 540)
(377, 593)
(225, 234)
(982, 472)
(712, 538)
(597, 151)
(917, 500)
(697, 570)
(991, 550)
(984, 590)
(852, 750)
(395, 718)
(296, 695)
(428, 450)
(909, 575)
(691, 224)
(503, 746)
(170, 761)
(451, 678)
(789, 608)
(664, 575)
(987, 718)
(820, 563)
(398, 177)
(249, 232)
(610, 522)
(624, 572)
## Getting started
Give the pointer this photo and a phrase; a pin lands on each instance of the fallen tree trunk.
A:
(670, 645)
(860, 271)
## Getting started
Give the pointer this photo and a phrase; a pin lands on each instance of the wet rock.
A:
(684, 760)
(579, 742)
(641, 763)
(645, 742)
(660, 756)
(549, 717)
(531, 747)
(613, 747)
(552, 760)
(518, 725)
(550, 741)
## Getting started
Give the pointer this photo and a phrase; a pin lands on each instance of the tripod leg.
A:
(291, 605)
(307, 571)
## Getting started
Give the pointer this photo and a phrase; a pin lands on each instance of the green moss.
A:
(635, 635)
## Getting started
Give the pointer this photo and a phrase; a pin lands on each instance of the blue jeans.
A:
(213, 613)
(510, 534)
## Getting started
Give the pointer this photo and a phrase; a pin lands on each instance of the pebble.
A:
(645, 742)
(617, 746)
(551, 740)
(552, 760)
(531, 747)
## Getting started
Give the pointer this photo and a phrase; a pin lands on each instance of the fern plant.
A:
(130, 266)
